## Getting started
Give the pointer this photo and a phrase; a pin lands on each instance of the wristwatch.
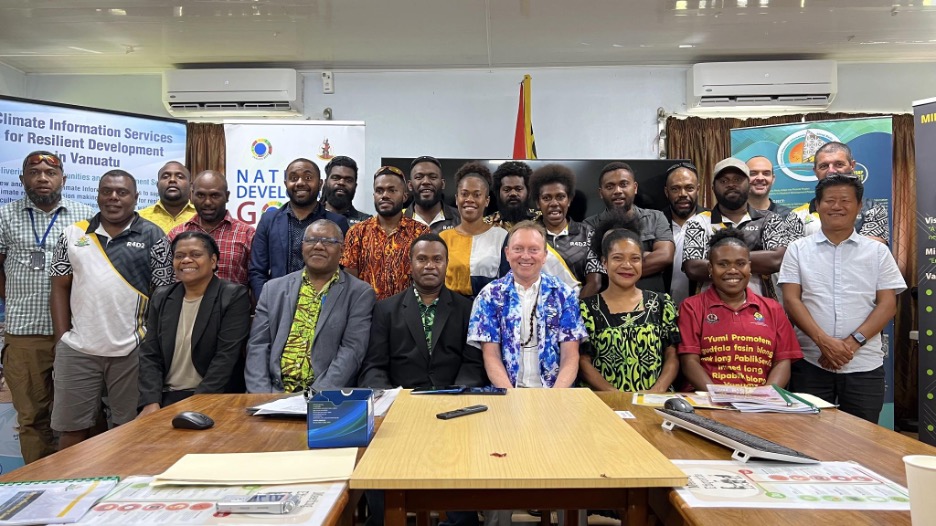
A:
(859, 338)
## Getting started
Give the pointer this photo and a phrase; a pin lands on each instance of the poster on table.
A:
(258, 153)
(792, 148)
(90, 142)
(924, 125)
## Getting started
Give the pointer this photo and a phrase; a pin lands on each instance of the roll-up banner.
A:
(259, 152)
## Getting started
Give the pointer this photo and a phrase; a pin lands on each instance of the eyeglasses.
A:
(107, 192)
(682, 164)
(327, 242)
(38, 158)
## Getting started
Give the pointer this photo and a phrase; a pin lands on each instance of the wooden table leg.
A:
(637, 507)
(545, 518)
(422, 518)
(394, 508)
(572, 518)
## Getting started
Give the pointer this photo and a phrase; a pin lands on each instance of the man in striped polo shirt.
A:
(103, 272)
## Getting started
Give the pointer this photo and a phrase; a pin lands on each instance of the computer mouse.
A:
(194, 420)
(678, 404)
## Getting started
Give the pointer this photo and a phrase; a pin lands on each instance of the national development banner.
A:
(924, 118)
(259, 152)
(792, 148)
(90, 143)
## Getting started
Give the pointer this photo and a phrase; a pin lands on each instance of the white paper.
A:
(823, 486)
(291, 405)
(48, 501)
(626, 415)
(385, 400)
(135, 502)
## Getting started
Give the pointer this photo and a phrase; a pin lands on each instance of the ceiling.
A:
(123, 36)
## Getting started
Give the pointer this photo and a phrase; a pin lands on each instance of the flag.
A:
(524, 144)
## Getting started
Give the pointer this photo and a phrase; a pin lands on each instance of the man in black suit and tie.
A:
(418, 339)
(418, 336)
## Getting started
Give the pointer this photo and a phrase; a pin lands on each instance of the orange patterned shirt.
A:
(380, 259)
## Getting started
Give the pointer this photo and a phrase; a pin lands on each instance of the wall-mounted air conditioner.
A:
(808, 84)
(232, 92)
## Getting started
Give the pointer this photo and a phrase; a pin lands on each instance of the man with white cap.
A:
(767, 234)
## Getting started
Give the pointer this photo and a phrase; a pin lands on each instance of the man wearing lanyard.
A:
(29, 229)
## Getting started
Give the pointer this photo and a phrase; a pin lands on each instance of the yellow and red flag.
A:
(524, 144)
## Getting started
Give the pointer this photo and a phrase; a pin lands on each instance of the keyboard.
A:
(746, 446)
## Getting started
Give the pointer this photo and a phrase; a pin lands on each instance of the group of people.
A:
(135, 310)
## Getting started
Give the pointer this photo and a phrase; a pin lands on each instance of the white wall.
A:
(12, 81)
(577, 112)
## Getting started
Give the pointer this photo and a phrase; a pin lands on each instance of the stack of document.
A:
(297, 405)
(763, 399)
(282, 467)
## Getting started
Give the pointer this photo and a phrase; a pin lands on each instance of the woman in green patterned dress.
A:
(632, 333)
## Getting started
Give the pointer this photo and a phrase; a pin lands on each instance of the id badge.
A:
(37, 260)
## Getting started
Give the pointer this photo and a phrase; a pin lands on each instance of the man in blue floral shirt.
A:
(527, 323)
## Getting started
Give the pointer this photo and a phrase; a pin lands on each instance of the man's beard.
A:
(684, 214)
(733, 203)
(50, 199)
(301, 202)
(427, 203)
(338, 202)
(392, 212)
(513, 213)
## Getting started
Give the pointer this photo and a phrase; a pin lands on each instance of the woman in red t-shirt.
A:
(730, 335)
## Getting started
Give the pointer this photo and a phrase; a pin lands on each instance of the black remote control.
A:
(448, 415)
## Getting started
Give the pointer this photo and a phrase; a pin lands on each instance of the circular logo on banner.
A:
(271, 204)
(261, 149)
(796, 153)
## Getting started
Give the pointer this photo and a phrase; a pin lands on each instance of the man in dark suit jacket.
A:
(277, 245)
(335, 348)
(410, 350)
(418, 339)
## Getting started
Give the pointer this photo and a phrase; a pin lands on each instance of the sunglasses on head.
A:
(39, 158)
(384, 170)
(682, 164)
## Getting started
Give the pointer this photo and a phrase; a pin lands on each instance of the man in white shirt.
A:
(682, 192)
(840, 290)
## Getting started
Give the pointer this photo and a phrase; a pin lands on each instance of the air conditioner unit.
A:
(771, 84)
(232, 92)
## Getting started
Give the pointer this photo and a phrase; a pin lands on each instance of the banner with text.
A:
(258, 153)
(792, 148)
(924, 118)
(90, 143)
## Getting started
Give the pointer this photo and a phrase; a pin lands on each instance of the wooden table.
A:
(831, 435)
(534, 448)
(149, 445)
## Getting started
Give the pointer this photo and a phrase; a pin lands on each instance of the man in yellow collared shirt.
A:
(174, 206)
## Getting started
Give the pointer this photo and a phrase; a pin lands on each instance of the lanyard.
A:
(32, 220)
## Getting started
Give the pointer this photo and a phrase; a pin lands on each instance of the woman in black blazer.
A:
(195, 328)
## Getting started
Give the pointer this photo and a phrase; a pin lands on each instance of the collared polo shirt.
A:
(234, 239)
(573, 244)
(839, 287)
(653, 227)
(871, 221)
(762, 230)
(27, 288)
(112, 279)
(158, 215)
(736, 347)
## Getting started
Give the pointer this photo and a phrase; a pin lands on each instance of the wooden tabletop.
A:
(831, 435)
(528, 439)
(149, 445)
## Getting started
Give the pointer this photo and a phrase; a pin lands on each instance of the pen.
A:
(799, 399)
(784, 395)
